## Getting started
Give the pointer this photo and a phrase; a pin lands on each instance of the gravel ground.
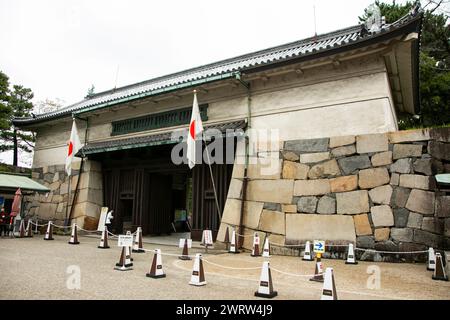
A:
(38, 270)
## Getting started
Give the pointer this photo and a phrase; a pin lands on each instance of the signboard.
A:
(207, 239)
(125, 241)
(102, 220)
(181, 244)
(319, 246)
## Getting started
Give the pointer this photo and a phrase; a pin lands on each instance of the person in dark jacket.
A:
(3, 223)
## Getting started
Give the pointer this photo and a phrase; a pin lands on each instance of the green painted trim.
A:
(158, 91)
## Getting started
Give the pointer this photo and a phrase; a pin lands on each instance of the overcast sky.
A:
(60, 48)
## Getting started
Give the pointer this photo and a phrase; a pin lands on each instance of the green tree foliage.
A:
(5, 110)
(17, 103)
(434, 61)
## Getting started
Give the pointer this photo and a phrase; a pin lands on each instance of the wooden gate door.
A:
(160, 211)
(204, 207)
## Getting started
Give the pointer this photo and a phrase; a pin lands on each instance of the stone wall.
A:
(376, 190)
(52, 206)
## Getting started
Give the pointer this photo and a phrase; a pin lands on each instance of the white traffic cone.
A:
(29, 231)
(307, 256)
(49, 232)
(74, 235)
(265, 289)
(156, 270)
(351, 259)
(431, 260)
(198, 274)
(266, 250)
(439, 271)
(129, 249)
(233, 244)
(329, 286)
(22, 229)
(185, 253)
(124, 263)
(137, 246)
(255, 250)
(318, 273)
(104, 240)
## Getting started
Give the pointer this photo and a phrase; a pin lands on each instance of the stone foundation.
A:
(377, 191)
(52, 206)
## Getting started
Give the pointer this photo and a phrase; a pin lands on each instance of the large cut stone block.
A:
(223, 229)
(265, 168)
(381, 195)
(426, 238)
(350, 165)
(289, 208)
(372, 143)
(414, 181)
(362, 225)
(343, 151)
(443, 206)
(232, 212)
(382, 234)
(326, 205)
(344, 184)
(275, 191)
(382, 216)
(400, 197)
(355, 202)
(341, 141)
(421, 201)
(301, 228)
(311, 187)
(314, 157)
(273, 222)
(447, 227)
(403, 234)
(382, 159)
(415, 220)
(401, 217)
(439, 150)
(325, 170)
(407, 150)
(47, 210)
(290, 156)
(424, 166)
(307, 205)
(252, 214)
(402, 166)
(235, 189)
(409, 136)
(294, 170)
(371, 178)
(433, 225)
(305, 146)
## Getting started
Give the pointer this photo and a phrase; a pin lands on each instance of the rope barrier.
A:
(38, 225)
(167, 254)
(393, 252)
(292, 274)
(60, 227)
(243, 236)
(230, 268)
(287, 245)
(88, 231)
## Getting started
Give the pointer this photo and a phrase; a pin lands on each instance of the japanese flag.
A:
(195, 129)
(73, 147)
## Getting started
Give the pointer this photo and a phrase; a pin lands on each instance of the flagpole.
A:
(68, 201)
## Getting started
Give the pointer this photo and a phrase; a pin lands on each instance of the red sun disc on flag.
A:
(192, 130)
(70, 148)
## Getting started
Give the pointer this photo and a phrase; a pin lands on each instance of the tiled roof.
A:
(152, 140)
(224, 69)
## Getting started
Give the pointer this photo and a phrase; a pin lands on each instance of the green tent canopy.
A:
(11, 182)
